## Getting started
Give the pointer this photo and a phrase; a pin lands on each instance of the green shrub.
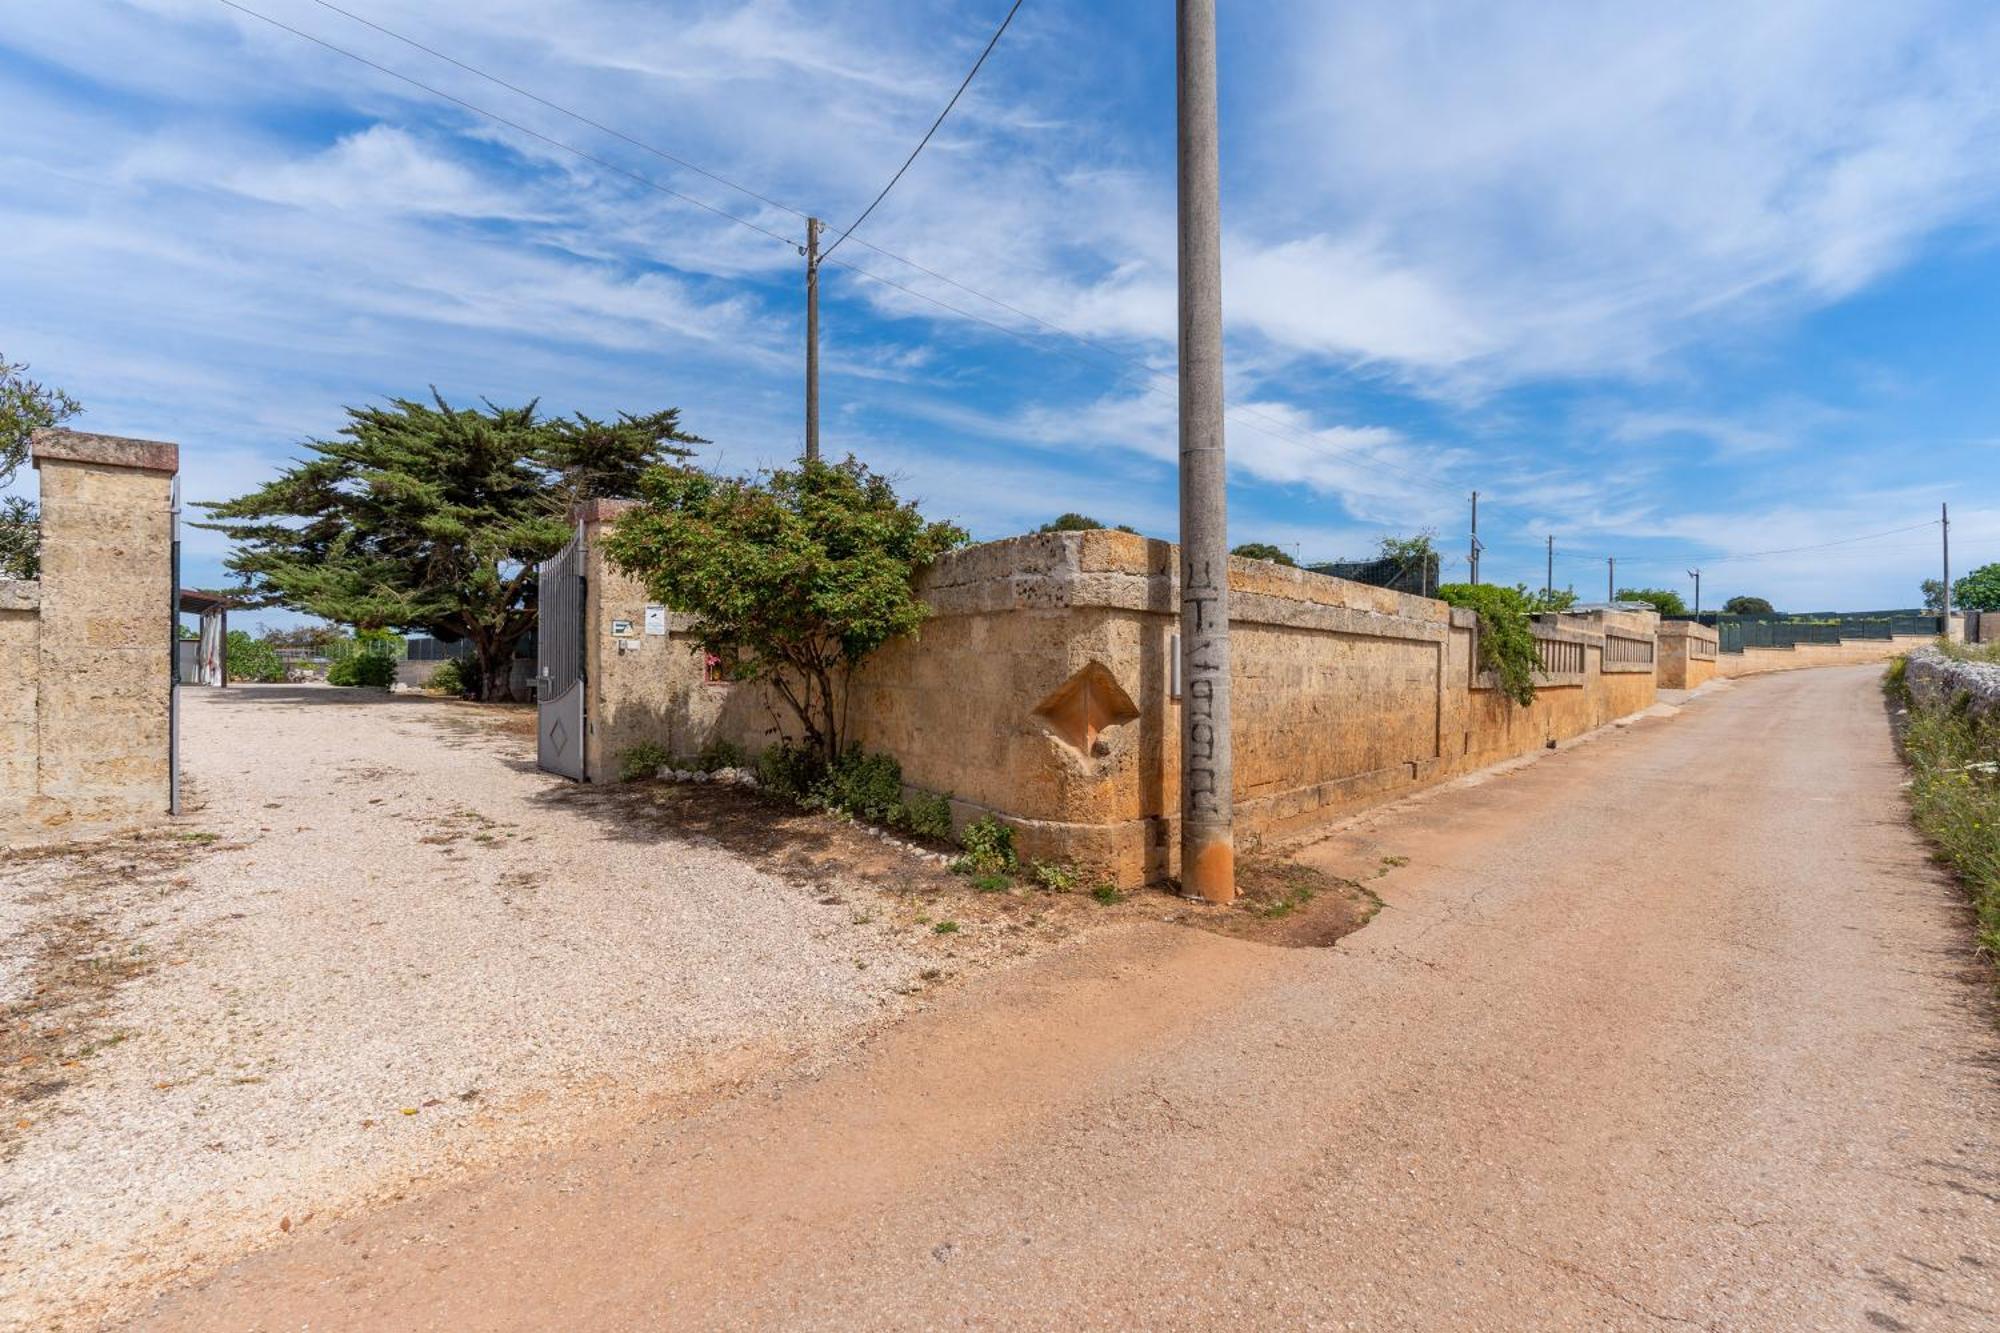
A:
(1955, 796)
(866, 786)
(994, 883)
(1107, 894)
(642, 761)
(789, 771)
(253, 659)
(1506, 637)
(1054, 876)
(989, 845)
(449, 678)
(371, 670)
(927, 816)
(1895, 681)
(717, 755)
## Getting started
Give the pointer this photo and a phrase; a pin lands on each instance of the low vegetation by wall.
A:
(1952, 741)
(86, 651)
(1042, 691)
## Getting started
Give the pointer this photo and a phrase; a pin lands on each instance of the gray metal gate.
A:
(559, 608)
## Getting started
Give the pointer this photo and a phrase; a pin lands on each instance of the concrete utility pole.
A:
(1944, 515)
(812, 339)
(1610, 578)
(1549, 580)
(1208, 843)
(1474, 560)
(1696, 575)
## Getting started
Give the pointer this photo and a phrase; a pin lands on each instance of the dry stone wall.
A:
(1937, 681)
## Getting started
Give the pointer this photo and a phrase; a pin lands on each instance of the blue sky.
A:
(1678, 284)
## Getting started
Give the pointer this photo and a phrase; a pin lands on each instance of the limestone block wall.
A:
(1688, 654)
(20, 658)
(1848, 652)
(1041, 690)
(88, 651)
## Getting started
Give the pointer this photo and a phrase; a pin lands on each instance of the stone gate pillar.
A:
(105, 646)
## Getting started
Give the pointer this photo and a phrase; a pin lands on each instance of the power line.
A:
(1159, 379)
(1821, 546)
(556, 107)
(1284, 430)
(967, 83)
(499, 119)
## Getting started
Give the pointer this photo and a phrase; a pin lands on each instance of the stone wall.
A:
(1688, 655)
(1938, 681)
(20, 661)
(87, 652)
(1848, 652)
(1041, 690)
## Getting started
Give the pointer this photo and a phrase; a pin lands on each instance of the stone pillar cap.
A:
(75, 446)
(600, 510)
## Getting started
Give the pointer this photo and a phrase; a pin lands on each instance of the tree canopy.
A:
(1265, 551)
(1075, 522)
(422, 516)
(1748, 606)
(25, 407)
(1664, 600)
(1539, 601)
(1979, 590)
(794, 576)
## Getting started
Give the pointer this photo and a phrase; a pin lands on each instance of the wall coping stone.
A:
(600, 510)
(75, 446)
(20, 595)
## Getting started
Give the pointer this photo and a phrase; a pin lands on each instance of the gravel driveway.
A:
(380, 949)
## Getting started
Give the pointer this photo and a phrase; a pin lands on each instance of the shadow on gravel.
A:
(797, 844)
(329, 696)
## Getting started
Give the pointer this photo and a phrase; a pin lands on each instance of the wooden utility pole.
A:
(1473, 559)
(812, 339)
(1944, 516)
(1208, 846)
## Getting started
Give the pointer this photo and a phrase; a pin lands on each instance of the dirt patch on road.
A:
(1287, 904)
(70, 959)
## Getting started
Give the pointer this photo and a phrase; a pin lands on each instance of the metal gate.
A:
(559, 661)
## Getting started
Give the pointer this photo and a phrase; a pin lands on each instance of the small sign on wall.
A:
(656, 620)
(622, 629)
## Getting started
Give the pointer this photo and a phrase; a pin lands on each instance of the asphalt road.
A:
(1675, 1027)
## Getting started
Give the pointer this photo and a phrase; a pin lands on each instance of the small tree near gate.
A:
(797, 575)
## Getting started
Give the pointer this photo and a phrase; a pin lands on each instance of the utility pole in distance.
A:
(1208, 840)
(1696, 575)
(1474, 561)
(1944, 516)
(1610, 578)
(1549, 580)
(812, 339)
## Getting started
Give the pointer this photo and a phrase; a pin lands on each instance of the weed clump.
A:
(927, 816)
(1054, 876)
(989, 848)
(642, 761)
(1955, 797)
